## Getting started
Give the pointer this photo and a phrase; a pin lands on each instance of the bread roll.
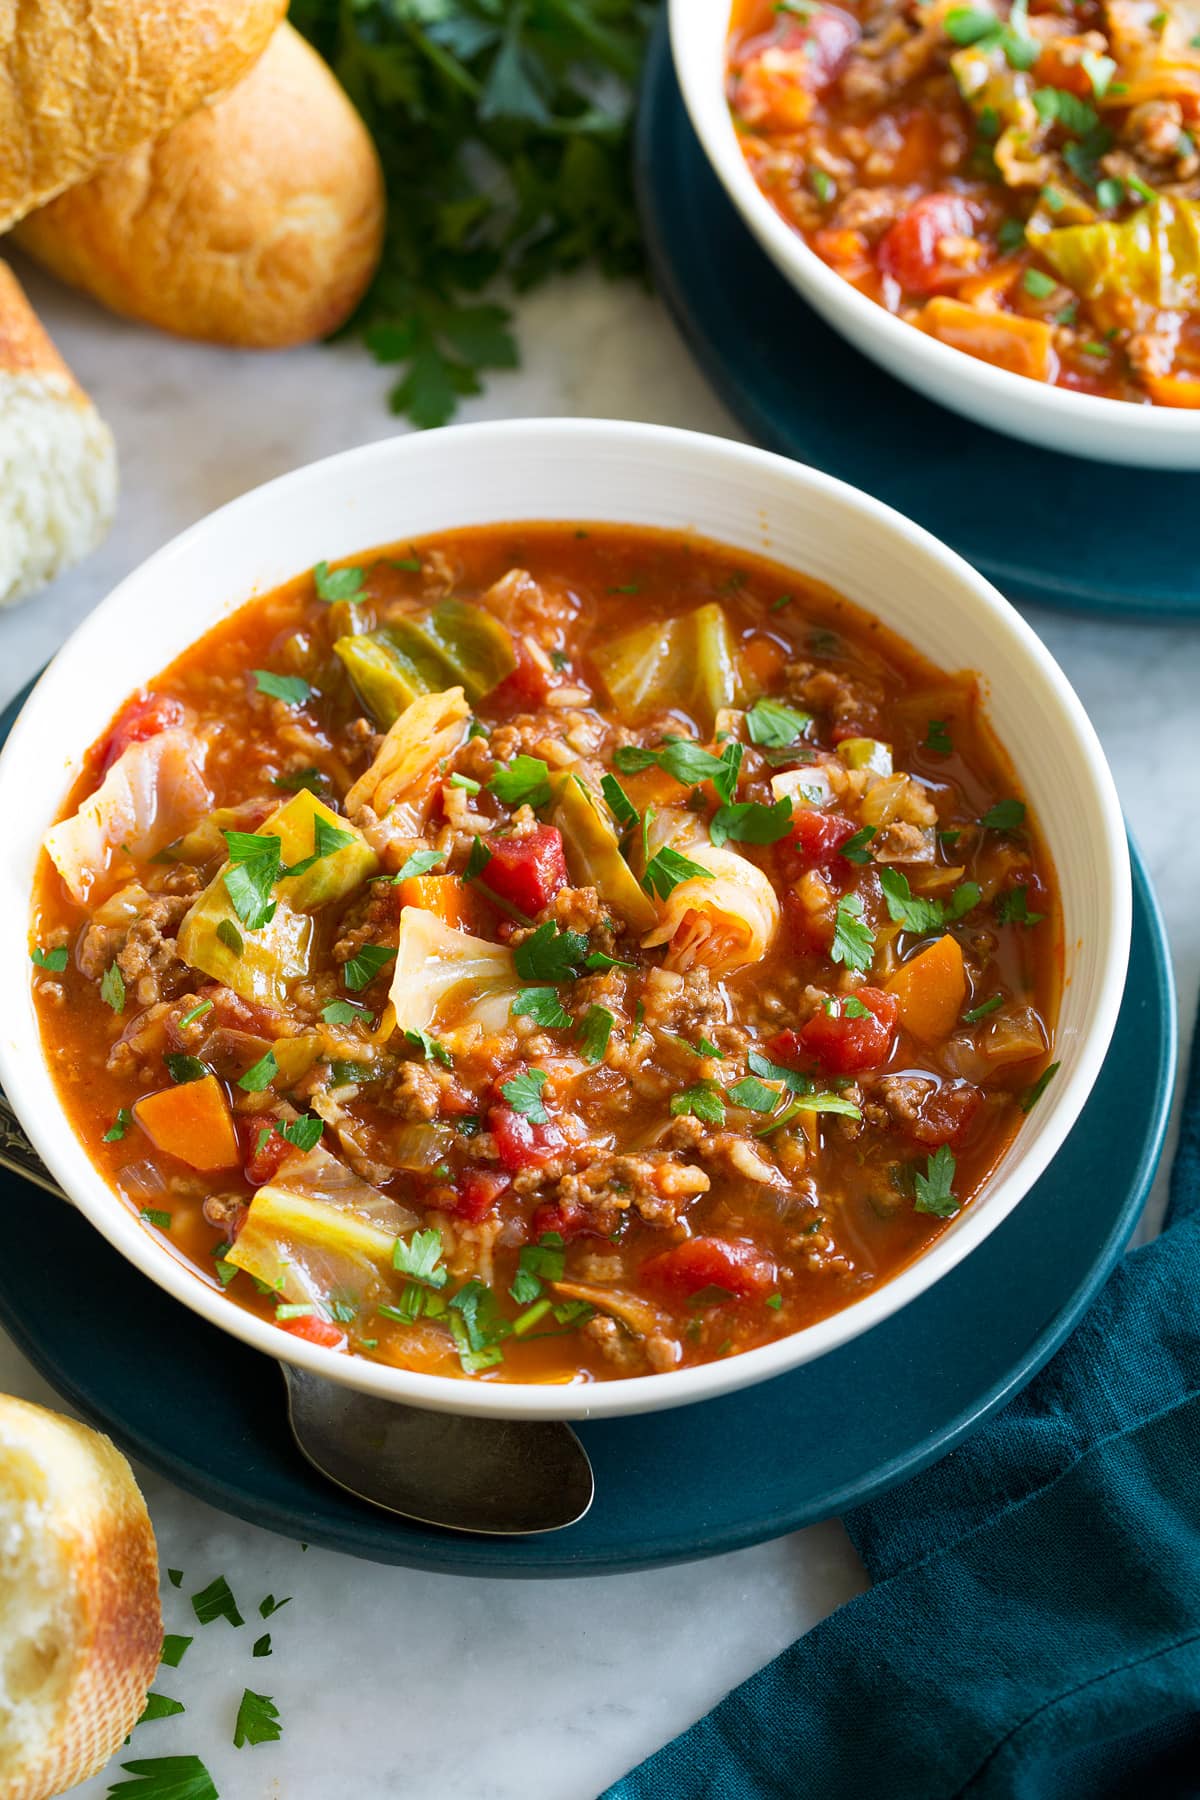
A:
(80, 1622)
(82, 81)
(58, 466)
(257, 222)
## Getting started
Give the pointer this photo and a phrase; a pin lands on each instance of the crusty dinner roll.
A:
(58, 466)
(257, 222)
(80, 1622)
(82, 81)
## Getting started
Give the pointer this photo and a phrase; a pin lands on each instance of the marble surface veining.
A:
(395, 1685)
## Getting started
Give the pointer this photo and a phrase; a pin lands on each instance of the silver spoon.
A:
(500, 1477)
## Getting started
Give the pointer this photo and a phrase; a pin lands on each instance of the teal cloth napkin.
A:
(1033, 1631)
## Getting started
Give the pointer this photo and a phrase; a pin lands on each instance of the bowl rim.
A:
(939, 363)
(65, 1157)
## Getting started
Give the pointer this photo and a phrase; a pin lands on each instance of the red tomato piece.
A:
(946, 1115)
(909, 249)
(265, 1159)
(785, 1046)
(701, 1262)
(528, 684)
(815, 841)
(315, 1330)
(520, 1144)
(144, 717)
(565, 1218)
(778, 75)
(527, 871)
(477, 1193)
(844, 1045)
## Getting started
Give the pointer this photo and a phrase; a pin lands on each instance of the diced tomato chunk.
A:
(778, 76)
(477, 1192)
(315, 1330)
(527, 871)
(734, 1264)
(528, 684)
(815, 841)
(520, 1144)
(946, 1115)
(786, 1047)
(566, 1218)
(910, 252)
(268, 1156)
(144, 717)
(845, 1044)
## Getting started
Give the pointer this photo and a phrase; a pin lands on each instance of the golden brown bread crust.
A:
(91, 1523)
(257, 222)
(82, 81)
(25, 348)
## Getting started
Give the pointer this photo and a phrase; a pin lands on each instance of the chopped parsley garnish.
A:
(619, 804)
(595, 1030)
(524, 1095)
(254, 866)
(543, 1006)
(752, 1093)
(550, 954)
(420, 1258)
(973, 1016)
(175, 1577)
(430, 1047)
(467, 783)
(703, 1101)
(688, 762)
(748, 822)
(224, 1271)
(196, 1012)
(182, 1068)
(293, 781)
(1012, 908)
(349, 1074)
(304, 1134)
(165, 1778)
(216, 1601)
(112, 988)
(543, 1261)
(853, 939)
(367, 962)
(1099, 71)
(812, 1103)
(1038, 285)
(855, 848)
(1032, 1095)
(119, 1127)
(344, 1012)
(272, 1605)
(259, 1075)
(337, 584)
(938, 738)
(419, 863)
(793, 1081)
(917, 913)
(1059, 106)
(160, 1220)
(229, 935)
(935, 1188)
(257, 1720)
(1109, 192)
(1006, 815)
(774, 1301)
(667, 868)
(846, 1006)
(971, 25)
(770, 722)
(823, 185)
(262, 1645)
(476, 1327)
(174, 1650)
(291, 688)
(53, 960)
(1010, 236)
(523, 782)
(600, 959)
(159, 1706)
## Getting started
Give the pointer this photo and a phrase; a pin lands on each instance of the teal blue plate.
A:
(208, 1413)
(1042, 526)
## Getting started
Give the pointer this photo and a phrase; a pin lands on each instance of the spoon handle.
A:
(18, 1155)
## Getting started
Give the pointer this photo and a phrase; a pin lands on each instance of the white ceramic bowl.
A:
(586, 470)
(1156, 437)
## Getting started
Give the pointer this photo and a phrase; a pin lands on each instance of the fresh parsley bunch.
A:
(503, 127)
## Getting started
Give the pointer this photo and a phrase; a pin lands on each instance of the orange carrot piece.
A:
(1173, 390)
(1026, 346)
(192, 1122)
(445, 896)
(930, 991)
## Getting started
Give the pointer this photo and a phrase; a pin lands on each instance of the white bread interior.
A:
(80, 1622)
(58, 463)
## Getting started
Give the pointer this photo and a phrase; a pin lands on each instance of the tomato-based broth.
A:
(1020, 181)
(543, 953)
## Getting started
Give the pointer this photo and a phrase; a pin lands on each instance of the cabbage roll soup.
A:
(547, 954)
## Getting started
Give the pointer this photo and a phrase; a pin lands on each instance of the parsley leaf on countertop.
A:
(257, 1720)
(216, 1602)
(165, 1778)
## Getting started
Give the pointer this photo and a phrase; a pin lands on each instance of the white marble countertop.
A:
(475, 1689)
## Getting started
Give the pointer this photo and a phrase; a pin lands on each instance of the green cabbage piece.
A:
(594, 856)
(687, 664)
(443, 977)
(1131, 271)
(456, 645)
